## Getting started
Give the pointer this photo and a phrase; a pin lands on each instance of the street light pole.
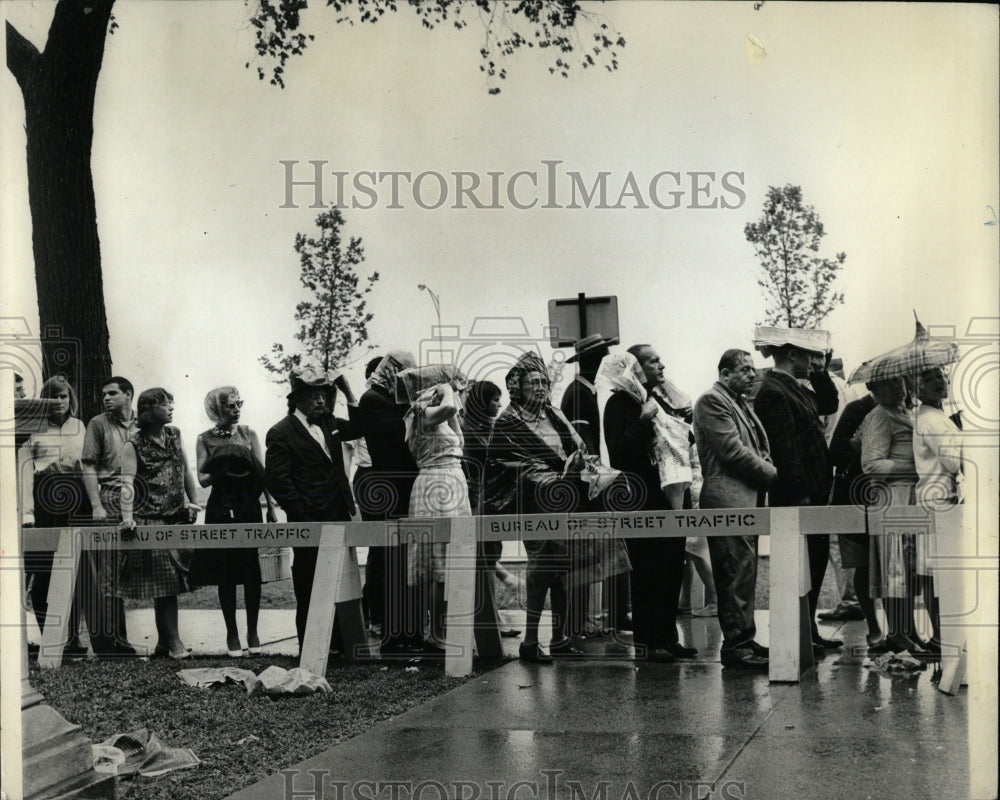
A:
(437, 310)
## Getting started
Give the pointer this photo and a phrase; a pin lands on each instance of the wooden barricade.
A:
(337, 584)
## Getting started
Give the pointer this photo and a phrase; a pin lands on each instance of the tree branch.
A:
(22, 55)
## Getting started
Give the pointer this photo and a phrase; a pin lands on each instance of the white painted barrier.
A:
(337, 579)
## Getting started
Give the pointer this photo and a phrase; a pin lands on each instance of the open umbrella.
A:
(922, 354)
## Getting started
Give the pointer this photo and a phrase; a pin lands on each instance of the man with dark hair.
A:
(304, 471)
(579, 406)
(737, 469)
(102, 477)
(657, 564)
(791, 414)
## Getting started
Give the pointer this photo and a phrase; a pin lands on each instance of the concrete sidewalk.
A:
(611, 728)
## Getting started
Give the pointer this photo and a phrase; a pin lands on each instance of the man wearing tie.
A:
(305, 471)
(737, 470)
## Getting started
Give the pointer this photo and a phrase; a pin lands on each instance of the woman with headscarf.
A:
(481, 408)
(886, 437)
(157, 489)
(650, 441)
(434, 436)
(52, 493)
(229, 460)
(533, 467)
(384, 494)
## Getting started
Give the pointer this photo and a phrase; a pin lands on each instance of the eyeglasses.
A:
(234, 405)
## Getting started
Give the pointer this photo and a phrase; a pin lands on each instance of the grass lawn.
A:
(109, 697)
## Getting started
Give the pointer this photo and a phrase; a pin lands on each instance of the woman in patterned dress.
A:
(157, 489)
(229, 460)
(434, 436)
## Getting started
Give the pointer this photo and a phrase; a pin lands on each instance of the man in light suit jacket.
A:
(305, 472)
(737, 470)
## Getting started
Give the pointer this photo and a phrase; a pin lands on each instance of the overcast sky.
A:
(886, 115)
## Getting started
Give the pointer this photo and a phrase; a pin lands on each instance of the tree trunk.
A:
(58, 87)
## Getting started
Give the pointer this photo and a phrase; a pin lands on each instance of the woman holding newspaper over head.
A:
(537, 464)
(434, 437)
(157, 489)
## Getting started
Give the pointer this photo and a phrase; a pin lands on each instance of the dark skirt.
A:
(230, 501)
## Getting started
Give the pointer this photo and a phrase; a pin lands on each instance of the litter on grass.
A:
(140, 751)
(272, 681)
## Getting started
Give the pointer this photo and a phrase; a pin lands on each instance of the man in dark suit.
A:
(579, 406)
(385, 495)
(657, 564)
(737, 469)
(305, 472)
(791, 414)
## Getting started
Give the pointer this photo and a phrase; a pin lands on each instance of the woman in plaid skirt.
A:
(158, 489)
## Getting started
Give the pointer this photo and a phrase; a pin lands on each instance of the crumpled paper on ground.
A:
(209, 676)
(140, 751)
(273, 680)
(896, 662)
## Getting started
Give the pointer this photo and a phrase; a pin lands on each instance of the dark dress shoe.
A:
(879, 648)
(746, 660)
(900, 642)
(842, 614)
(433, 650)
(827, 644)
(680, 651)
(74, 652)
(533, 653)
(510, 633)
(760, 650)
(565, 649)
(661, 656)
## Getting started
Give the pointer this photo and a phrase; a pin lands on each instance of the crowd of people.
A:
(425, 441)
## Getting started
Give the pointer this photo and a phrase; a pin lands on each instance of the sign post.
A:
(573, 318)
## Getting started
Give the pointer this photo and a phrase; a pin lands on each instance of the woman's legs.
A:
(438, 609)
(227, 602)
(251, 598)
(862, 576)
(165, 612)
(933, 607)
(534, 603)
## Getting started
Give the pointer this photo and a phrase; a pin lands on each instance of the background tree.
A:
(797, 283)
(58, 86)
(333, 325)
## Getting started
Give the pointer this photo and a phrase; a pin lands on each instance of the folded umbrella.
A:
(920, 355)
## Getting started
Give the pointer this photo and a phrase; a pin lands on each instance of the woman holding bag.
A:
(229, 460)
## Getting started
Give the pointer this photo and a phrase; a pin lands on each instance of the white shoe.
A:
(711, 610)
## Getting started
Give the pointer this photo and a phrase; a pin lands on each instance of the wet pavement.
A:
(611, 728)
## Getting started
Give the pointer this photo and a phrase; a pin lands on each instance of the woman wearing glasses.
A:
(229, 460)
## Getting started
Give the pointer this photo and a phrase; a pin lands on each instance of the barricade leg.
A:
(460, 577)
(336, 591)
(955, 604)
(65, 566)
(790, 639)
